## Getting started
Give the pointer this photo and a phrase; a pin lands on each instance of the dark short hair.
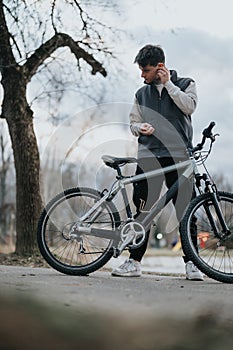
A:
(150, 54)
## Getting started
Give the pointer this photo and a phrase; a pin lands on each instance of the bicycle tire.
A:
(54, 226)
(214, 253)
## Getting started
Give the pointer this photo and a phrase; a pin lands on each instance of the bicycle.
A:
(80, 229)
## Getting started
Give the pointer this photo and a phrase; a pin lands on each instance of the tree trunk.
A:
(26, 156)
(18, 115)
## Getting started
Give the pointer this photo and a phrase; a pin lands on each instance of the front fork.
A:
(225, 230)
(211, 188)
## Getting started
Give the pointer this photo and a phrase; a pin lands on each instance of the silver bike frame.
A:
(190, 168)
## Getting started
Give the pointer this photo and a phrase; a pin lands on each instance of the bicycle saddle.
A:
(114, 162)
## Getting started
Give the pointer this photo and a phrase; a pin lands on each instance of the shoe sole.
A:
(195, 279)
(125, 275)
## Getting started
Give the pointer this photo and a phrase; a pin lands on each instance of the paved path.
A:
(150, 294)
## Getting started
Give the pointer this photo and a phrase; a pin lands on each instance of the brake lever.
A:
(213, 137)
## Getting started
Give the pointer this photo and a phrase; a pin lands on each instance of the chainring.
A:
(134, 232)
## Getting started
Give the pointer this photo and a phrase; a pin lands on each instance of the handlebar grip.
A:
(207, 132)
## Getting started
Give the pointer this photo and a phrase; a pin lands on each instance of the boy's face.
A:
(150, 73)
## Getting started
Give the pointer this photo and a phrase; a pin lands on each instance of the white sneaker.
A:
(130, 268)
(192, 272)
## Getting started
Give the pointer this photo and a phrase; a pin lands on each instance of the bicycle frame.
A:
(190, 169)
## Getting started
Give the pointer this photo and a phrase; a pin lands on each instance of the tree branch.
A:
(57, 41)
(6, 54)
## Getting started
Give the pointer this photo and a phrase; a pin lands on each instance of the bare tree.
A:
(31, 34)
(6, 206)
(4, 168)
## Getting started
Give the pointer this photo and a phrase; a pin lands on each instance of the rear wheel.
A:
(214, 252)
(62, 246)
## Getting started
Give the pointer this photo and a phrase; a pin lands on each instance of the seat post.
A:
(124, 194)
(119, 172)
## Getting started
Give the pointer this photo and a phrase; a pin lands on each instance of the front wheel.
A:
(62, 246)
(203, 239)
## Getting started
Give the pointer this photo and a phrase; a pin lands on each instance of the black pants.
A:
(147, 192)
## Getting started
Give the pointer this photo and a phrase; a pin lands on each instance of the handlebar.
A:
(207, 134)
